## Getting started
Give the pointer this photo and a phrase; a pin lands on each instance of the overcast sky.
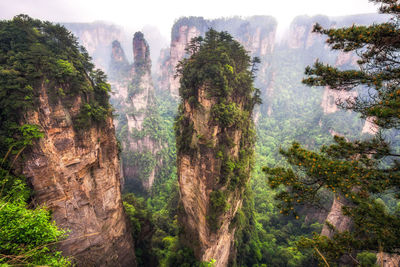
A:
(135, 14)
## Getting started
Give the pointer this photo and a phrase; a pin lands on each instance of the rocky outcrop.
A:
(119, 68)
(387, 260)
(214, 150)
(332, 97)
(167, 80)
(198, 177)
(370, 127)
(256, 34)
(76, 175)
(134, 101)
(336, 218)
(300, 35)
(118, 55)
(97, 38)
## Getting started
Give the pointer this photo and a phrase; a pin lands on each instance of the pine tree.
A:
(358, 172)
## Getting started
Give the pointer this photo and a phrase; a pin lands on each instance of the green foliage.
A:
(157, 125)
(291, 112)
(90, 114)
(141, 228)
(358, 170)
(184, 133)
(64, 70)
(156, 231)
(136, 86)
(153, 214)
(265, 237)
(210, 263)
(27, 236)
(37, 54)
(228, 115)
(367, 259)
(219, 66)
(143, 163)
(218, 205)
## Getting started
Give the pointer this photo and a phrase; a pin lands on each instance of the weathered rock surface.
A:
(256, 34)
(300, 35)
(198, 175)
(134, 101)
(97, 38)
(336, 217)
(119, 68)
(77, 176)
(388, 260)
(332, 97)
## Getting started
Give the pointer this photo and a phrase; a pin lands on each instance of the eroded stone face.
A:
(388, 260)
(133, 91)
(337, 218)
(198, 174)
(331, 97)
(254, 39)
(97, 38)
(77, 176)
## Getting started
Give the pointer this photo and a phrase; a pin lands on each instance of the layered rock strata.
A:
(214, 133)
(134, 101)
(76, 175)
(256, 34)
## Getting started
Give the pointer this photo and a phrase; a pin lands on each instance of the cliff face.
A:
(198, 176)
(77, 177)
(300, 35)
(73, 168)
(168, 63)
(215, 148)
(97, 38)
(331, 97)
(337, 218)
(119, 68)
(135, 103)
(256, 34)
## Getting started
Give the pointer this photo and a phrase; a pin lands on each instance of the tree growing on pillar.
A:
(215, 141)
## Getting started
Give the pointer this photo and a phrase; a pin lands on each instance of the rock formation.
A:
(301, 38)
(97, 38)
(73, 165)
(134, 101)
(388, 260)
(256, 34)
(215, 148)
(300, 35)
(336, 217)
(119, 66)
(332, 97)
(76, 175)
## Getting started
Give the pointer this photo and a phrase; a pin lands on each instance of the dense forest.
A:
(286, 156)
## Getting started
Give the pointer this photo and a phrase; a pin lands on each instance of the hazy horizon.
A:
(133, 16)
